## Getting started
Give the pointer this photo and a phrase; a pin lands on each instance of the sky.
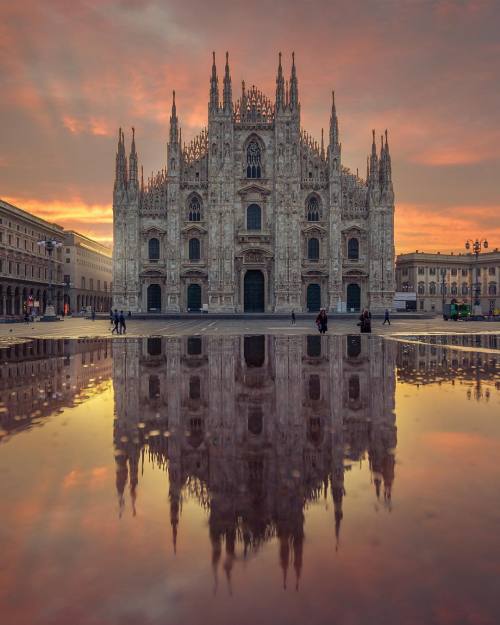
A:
(73, 72)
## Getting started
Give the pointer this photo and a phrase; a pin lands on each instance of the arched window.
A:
(154, 249)
(253, 160)
(254, 217)
(353, 249)
(194, 249)
(465, 288)
(313, 249)
(194, 213)
(421, 288)
(432, 288)
(312, 211)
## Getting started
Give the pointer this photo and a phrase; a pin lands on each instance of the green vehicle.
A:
(456, 310)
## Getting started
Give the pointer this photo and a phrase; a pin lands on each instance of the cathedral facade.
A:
(253, 215)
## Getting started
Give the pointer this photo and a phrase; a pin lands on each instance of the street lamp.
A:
(50, 245)
(443, 287)
(476, 247)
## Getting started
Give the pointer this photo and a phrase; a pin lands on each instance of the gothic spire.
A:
(121, 162)
(280, 87)
(133, 161)
(334, 124)
(213, 105)
(373, 162)
(228, 92)
(294, 86)
(174, 122)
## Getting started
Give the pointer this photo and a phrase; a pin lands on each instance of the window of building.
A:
(254, 217)
(421, 271)
(421, 288)
(105, 285)
(67, 260)
(432, 271)
(432, 288)
(313, 209)
(478, 271)
(465, 288)
(465, 272)
(313, 249)
(454, 272)
(492, 288)
(194, 346)
(83, 282)
(154, 249)
(194, 249)
(194, 213)
(98, 285)
(353, 249)
(66, 278)
(314, 387)
(405, 271)
(91, 284)
(253, 160)
(154, 346)
(491, 271)
(194, 387)
(454, 288)
(314, 346)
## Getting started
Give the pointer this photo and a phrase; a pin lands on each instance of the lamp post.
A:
(50, 245)
(443, 287)
(476, 247)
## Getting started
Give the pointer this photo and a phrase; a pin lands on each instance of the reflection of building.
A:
(461, 276)
(39, 377)
(254, 427)
(253, 215)
(88, 272)
(25, 265)
(438, 359)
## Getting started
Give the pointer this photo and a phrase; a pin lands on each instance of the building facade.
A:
(253, 215)
(25, 266)
(438, 278)
(88, 273)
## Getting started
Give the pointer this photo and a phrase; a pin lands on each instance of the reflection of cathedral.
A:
(255, 428)
(40, 377)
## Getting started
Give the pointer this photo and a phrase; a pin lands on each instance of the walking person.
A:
(116, 321)
(386, 317)
(322, 321)
(93, 314)
(293, 317)
(123, 327)
(111, 318)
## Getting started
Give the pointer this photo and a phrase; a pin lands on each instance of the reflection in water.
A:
(42, 377)
(255, 428)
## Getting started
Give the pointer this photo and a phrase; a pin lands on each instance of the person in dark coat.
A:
(365, 322)
(322, 321)
(116, 321)
(386, 317)
(293, 317)
(121, 320)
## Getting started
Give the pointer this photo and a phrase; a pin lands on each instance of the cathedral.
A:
(253, 215)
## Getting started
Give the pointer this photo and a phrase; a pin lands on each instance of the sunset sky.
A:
(428, 70)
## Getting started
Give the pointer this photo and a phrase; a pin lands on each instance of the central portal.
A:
(254, 300)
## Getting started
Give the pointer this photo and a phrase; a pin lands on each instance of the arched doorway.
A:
(194, 296)
(154, 298)
(254, 300)
(353, 297)
(313, 297)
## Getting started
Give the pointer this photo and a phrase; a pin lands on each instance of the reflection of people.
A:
(116, 321)
(322, 321)
(293, 317)
(386, 317)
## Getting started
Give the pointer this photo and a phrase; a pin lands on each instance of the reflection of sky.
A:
(431, 557)
(428, 71)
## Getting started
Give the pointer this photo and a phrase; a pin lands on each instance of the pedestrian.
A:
(293, 317)
(386, 317)
(129, 315)
(93, 314)
(365, 322)
(111, 318)
(123, 327)
(322, 321)
(26, 317)
(116, 321)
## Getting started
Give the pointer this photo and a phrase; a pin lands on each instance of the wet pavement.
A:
(270, 478)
